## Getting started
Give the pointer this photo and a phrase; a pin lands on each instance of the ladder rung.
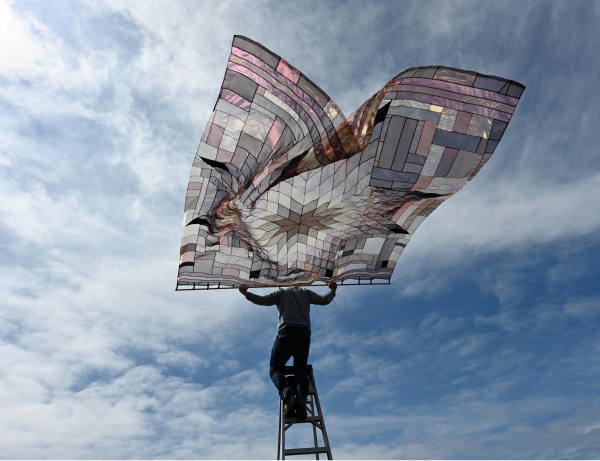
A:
(309, 419)
(305, 451)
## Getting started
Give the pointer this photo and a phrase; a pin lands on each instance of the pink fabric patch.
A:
(224, 156)
(214, 138)
(446, 162)
(251, 75)
(231, 272)
(403, 208)
(277, 75)
(426, 139)
(251, 58)
(289, 72)
(456, 88)
(195, 186)
(462, 122)
(275, 132)
(308, 116)
(422, 182)
(264, 66)
(187, 257)
(235, 99)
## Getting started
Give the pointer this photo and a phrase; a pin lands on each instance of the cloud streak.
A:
(484, 347)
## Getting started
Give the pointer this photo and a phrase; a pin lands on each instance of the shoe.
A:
(289, 399)
(301, 412)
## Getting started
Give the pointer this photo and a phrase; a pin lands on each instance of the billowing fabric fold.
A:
(285, 189)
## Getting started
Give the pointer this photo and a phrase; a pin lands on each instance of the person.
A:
(293, 339)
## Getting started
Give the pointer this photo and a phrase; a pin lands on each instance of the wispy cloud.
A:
(484, 347)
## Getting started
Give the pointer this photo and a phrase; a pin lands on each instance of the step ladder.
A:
(314, 418)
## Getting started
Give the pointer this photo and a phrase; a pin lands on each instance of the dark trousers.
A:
(291, 342)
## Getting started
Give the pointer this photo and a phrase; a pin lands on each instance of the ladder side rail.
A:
(312, 411)
(279, 431)
(281, 441)
(323, 430)
(283, 429)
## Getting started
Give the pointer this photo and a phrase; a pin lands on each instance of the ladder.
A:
(314, 418)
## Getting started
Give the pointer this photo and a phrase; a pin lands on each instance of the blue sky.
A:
(484, 346)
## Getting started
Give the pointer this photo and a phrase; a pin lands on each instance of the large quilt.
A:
(285, 189)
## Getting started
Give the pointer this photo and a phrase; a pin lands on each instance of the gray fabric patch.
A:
(489, 83)
(425, 72)
(257, 51)
(419, 114)
(240, 84)
(390, 175)
(456, 140)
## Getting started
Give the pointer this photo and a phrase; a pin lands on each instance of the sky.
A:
(484, 346)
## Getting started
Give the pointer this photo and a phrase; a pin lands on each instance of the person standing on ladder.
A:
(293, 339)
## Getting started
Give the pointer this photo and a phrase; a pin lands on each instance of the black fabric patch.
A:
(188, 263)
(329, 273)
(290, 170)
(426, 194)
(215, 164)
(347, 253)
(384, 263)
(201, 221)
(396, 229)
(254, 274)
(381, 113)
(293, 164)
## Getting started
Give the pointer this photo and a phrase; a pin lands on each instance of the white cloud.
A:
(586, 307)
(491, 216)
(99, 358)
(25, 44)
(118, 418)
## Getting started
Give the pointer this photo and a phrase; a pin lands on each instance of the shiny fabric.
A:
(285, 189)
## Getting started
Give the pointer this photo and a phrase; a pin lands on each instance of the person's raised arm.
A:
(323, 300)
(268, 300)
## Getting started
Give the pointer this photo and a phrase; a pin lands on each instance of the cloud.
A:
(586, 307)
(25, 45)
(103, 104)
(118, 418)
(493, 218)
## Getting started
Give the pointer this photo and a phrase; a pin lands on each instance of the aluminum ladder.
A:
(314, 418)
